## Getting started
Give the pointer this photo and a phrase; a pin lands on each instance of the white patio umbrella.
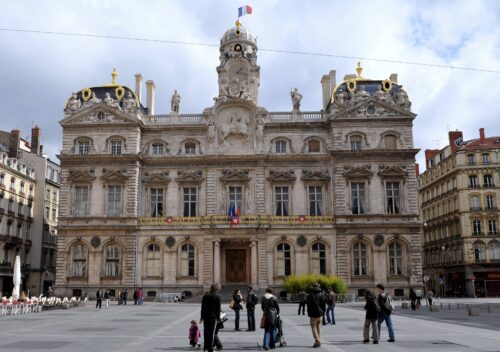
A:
(16, 278)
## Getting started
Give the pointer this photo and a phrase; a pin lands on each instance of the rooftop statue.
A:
(296, 98)
(74, 103)
(175, 102)
(129, 103)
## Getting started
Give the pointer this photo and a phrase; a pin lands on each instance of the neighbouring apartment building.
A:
(29, 199)
(459, 193)
(237, 194)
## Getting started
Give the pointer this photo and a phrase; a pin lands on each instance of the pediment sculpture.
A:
(74, 104)
(282, 175)
(237, 126)
(156, 177)
(82, 175)
(362, 171)
(315, 175)
(230, 175)
(114, 175)
(189, 176)
(392, 171)
(129, 104)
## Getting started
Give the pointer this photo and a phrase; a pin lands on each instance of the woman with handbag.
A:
(236, 306)
(269, 321)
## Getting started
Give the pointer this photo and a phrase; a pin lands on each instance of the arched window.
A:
(313, 146)
(390, 141)
(395, 259)
(283, 260)
(112, 261)
(187, 260)
(280, 146)
(356, 142)
(479, 251)
(153, 260)
(79, 258)
(494, 248)
(318, 258)
(359, 259)
(190, 148)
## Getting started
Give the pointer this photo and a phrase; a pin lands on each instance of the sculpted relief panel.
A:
(234, 130)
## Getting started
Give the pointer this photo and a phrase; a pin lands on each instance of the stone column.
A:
(253, 258)
(217, 262)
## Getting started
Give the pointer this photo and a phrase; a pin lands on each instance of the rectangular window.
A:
(488, 181)
(473, 183)
(280, 146)
(476, 227)
(47, 213)
(471, 159)
(114, 200)
(490, 203)
(81, 200)
(190, 149)
(475, 203)
(315, 200)
(235, 200)
(358, 197)
(492, 227)
(355, 143)
(2, 179)
(189, 201)
(9, 229)
(12, 184)
(20, 209)
(28, 232)
(116, 147)
(157, 149)
(392, 197)
(83, 147)
(18, 230)
(54, 214)
(281, 197)
(486, 158)
(10, 207)
(156, 202)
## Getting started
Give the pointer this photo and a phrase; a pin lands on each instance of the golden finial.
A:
(238, 23)
(114, 74)
(359, 69)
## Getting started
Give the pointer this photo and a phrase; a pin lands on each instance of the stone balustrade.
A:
(198, 118)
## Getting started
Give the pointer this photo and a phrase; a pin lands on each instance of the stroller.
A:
(280, 339)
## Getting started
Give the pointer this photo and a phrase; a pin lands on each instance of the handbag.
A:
(232, 304)
(263, 322)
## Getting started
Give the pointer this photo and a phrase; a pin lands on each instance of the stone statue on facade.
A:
(296, 98)
(259, 134)
(402, 98)
(244, 94)
(211, 132)
(73, 103)
(94, 99)
(175, 102)
(340, 98)
(382, 95)
(361, 93)
(238, 125)
(129, 104)
(111, 102)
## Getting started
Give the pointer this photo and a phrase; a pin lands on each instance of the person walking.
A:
(119, 295)
(98, 297)
(430, 297)
(252, 301)
(125, 296)
(194, 335)
(413, 299)
(372, 311)
(316, 303)
(106, 297)
(270, 316)
(135, 297)
(418, 292)
(331, 299)
(302, 302)
(236, 305)
(140, 297)
(386, 307)
(210, 315)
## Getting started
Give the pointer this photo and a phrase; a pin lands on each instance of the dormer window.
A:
(313, 146)
(190, 148)
(83, 147)
(158, 149)
(116, 147)
(281, 146)
(390, 141)
(471, 159)
(355, 142)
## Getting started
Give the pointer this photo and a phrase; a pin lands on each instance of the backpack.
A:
(255, 299)
(389, 303)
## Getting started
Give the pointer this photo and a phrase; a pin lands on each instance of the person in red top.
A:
(140, 299)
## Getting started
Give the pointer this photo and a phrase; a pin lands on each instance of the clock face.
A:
(241, 73)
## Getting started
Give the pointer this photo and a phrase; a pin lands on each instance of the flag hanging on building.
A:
(244, 10)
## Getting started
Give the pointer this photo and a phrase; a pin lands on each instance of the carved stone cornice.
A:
(229, 175)
(81, 176)
(157, 178)
(363, 171)
(114, 176)
(315, 175)
(190, 176)
(281, 176)
(390, 171)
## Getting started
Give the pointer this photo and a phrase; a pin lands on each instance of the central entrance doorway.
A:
(236, 266)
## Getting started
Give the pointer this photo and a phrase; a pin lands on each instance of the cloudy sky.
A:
(39, 72)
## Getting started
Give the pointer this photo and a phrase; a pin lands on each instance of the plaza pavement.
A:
(164, 327)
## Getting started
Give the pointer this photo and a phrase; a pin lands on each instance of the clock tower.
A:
(239, 74)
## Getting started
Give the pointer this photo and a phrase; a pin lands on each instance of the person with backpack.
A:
(252, 301)
(372, 311)
(316, 304)
(330, 306)
(386, 307)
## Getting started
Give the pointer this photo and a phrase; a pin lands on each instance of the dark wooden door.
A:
(236, 266)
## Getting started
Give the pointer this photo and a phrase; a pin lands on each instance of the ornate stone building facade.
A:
(238, 194)
(459, 194)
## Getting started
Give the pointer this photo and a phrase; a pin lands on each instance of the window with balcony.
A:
(473, 182)
(475, 203)
(114, 201)
(494, 248)
(315, 200)
(492, 227)
(392, 197)
(12, 184)
(281, 200)
(280, 146)
(189, 201)
(20, 209)
(156, 202)
(488, 181)
(476, 227)
(235, 199)
(479, 251)
(358, 197)
(54, 214)
(81, 204)
(10, 206)
(2, 179)
(490, 202)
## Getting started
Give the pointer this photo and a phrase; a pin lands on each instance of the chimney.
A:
(325, 87)
(150, 85)
(429, 153)
(453, 137)
(417, 166)
(35, 140)
(138, 86)
(14, 143)
(481, 135)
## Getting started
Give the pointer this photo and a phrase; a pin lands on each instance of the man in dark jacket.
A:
(316, 305)
(302, 302)
(98, 296)
(251, 302)
(210, 314)
(385, 313)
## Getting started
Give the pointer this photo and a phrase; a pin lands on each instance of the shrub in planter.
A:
(297, 283)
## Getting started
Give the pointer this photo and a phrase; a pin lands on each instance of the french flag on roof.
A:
(244, 10)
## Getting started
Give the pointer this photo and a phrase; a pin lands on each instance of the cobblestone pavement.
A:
(164, 327)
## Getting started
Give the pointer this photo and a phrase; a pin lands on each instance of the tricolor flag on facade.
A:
(244, 10)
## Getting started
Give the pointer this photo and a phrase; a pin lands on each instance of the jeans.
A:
(270, 337)
(237, 319)
(251, 319)
(302, 306)
(330, 314)
(388, 322)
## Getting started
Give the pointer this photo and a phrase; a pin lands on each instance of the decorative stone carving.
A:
(170, 241)
(211, 132)
(362, 171)
(402, 98)
(315, 175)
(382, 95)
(340, 98)
(190, 176)
(114, 175)
(156, 177)
(175, 102)
(95, 241)
(237, 126)
(378, 240)
(129, 104)
(259, 134)
(94, 99)
(99, 117)
(361, 93)
(301, 241)
(111, 102)
(296, 98)
(82, 176)
(229, 175)
(387, 171)
(74, 104)
(281, 175)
